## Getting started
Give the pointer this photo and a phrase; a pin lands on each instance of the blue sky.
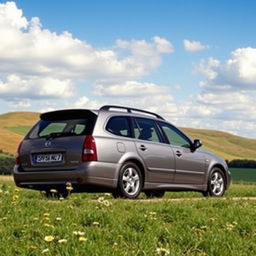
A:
(191, 61)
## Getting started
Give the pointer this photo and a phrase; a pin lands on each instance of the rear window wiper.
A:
(59, 134)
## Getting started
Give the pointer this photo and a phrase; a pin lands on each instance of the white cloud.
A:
(230, 91)
(38, 56)
(20, 104)
(30, 87)
(130, 88)
(194, 46)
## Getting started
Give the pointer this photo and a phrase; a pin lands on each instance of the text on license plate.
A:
(49, 158)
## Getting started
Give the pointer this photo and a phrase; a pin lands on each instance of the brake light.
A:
(18, 161)
(89, 149)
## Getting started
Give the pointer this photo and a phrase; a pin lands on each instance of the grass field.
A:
(87, 224)
(22, 130)
(243, 174)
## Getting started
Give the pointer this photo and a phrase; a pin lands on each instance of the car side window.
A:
(174, 136)
(146, 129)
(119, 125)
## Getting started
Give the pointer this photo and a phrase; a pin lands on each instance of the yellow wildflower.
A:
(54, 191)
(15, 197)
(48, 238)
(58, 218)
(95, 223)
(46, 214)
(82, 239)
(32, 247)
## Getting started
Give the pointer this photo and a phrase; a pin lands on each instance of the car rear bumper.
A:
(88, 173)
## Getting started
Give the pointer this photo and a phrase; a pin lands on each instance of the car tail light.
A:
(18, 161)
(89, 149)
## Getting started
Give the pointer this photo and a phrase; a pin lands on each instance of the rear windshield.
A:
(61, 128)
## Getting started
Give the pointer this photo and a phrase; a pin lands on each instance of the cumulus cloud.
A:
(130, 88)
(40, 57)
(30, 87)
(194, 46)
(229, 90)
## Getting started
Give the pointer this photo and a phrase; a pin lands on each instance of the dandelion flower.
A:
(62, 241)
(35, 219)
(95, 223)
(61, 198)
(16, 190)
(46, 214)
(54, 191)
(15, 197)
(48, 238)
(82, 239)
(58, 218)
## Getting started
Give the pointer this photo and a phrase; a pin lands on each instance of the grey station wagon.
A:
(118, 149)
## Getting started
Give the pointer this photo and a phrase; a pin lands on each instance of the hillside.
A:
(13, 126)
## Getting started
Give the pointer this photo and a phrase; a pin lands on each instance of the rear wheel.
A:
(129, 182)
(154, 193)
(216, 183)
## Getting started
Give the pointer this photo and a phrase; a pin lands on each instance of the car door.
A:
(158, 157)
(190, 164)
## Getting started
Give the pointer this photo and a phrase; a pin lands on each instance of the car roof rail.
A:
(130, 110)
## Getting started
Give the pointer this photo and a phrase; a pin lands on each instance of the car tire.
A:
(216, 183)
(154, 193)
(129, 182)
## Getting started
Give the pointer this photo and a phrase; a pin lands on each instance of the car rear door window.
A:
(146, 129)
(119, 125)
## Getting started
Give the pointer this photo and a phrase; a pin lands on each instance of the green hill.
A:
(13, 126)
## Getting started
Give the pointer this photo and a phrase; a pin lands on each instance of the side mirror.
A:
(197, 144)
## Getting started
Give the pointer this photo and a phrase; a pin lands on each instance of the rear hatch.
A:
(56, 141)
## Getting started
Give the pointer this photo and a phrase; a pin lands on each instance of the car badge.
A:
(48, 143)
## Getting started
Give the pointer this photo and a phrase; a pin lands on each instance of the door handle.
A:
(143, 147)
(178, 154)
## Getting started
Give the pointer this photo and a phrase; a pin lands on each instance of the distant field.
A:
(22, 130)
(243, 174)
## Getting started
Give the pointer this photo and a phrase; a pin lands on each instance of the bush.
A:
(241, 163)
(6, 165)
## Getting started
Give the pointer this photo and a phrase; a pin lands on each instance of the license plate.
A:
(48, 158)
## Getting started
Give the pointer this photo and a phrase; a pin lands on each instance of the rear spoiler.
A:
(68, 114)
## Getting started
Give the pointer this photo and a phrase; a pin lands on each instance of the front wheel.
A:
(216, 183)
(129, 182)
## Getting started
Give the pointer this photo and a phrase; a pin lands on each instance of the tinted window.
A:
(119, 125)
(61, 127)
(174, 136)
(146, 129)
